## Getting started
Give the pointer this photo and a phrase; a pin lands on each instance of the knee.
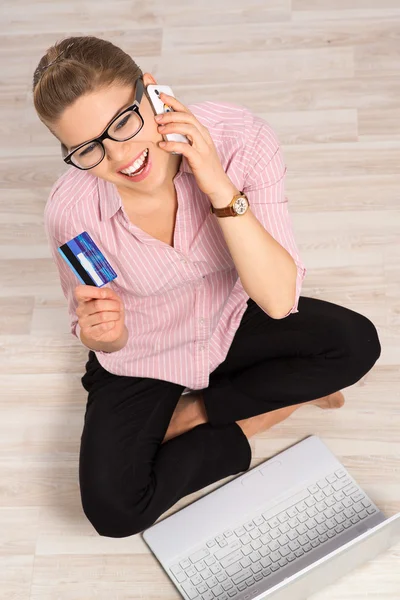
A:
(362, 341)
(111, 517)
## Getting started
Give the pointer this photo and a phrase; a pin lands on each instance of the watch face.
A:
(240, 206)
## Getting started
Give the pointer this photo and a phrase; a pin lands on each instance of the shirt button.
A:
(201, 320)
(183, 260)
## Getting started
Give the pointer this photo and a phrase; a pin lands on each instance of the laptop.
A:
(285, 529)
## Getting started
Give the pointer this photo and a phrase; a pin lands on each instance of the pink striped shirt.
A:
(183, 305)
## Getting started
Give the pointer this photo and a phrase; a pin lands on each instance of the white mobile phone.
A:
(159, 108)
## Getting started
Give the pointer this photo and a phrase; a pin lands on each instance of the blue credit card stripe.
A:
(83, 243)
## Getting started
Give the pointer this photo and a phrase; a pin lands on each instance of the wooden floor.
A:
(326, 75)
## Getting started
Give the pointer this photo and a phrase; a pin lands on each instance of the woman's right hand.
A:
(101, 313)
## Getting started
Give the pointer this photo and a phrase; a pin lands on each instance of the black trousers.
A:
(128, 478)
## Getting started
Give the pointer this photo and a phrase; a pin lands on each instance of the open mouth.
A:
(131, 173)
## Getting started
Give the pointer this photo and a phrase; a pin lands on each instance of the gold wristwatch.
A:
(237, 207)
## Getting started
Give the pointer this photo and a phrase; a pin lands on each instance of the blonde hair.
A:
(76, 66)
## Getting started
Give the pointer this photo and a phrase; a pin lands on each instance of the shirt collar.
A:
(110, 200)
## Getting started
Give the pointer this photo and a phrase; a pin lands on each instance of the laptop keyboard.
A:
(237, 559)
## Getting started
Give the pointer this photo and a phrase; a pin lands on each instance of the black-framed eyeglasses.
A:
(124, 127)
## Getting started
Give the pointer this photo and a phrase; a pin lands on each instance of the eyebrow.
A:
(116, 114)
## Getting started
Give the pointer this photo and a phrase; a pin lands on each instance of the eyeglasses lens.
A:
(122, 129)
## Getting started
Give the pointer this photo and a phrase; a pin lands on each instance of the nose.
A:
(115, 151)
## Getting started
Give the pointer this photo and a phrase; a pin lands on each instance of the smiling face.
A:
(89, 116)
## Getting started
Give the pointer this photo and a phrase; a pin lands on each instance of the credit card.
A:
(87, 261)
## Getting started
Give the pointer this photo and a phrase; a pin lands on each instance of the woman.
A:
(211, 304)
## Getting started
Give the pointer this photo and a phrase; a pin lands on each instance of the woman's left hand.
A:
(201, 154)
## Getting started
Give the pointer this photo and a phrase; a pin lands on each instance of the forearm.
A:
(106, 346)
(267, 271)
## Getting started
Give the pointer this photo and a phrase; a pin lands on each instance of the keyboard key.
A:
(349, 512)
(199, 555)
(301, 529)
(210, 560)
(331, 478)
(294, 545)
(200, 565)
(330, 501)
(292, 535)
(362, 514)
(285, 550)
(212, 581)
(242, 586)
(255, 534)
(282, 562)
(355, 519)
(232, 593)
(301, 506)
(185, 564)
(249, 526)
(247, 549)
(274, 567)
(240, 531)
(338, 496)
(350, 489)
(256, 568)
(217, 569)
(346, 524)
(211, 543)
(191, 571)
(273, 523)
(245, 539)
(339, 528)
(256, 544)
(258, 520)
(312, 511)
(258, 576)
(312, 534)
(180, 577)
(338, 508)
(330, 523)
(323, 538)
(331, 533)
(340, 518)
(311, 523)
(315, 543)
(217, 591)
(275, 533)
(303, 539)
(310, 501)
(322, 483)
(284, 528)
(208, 595)
(299, 552)
(319, 496)
(245, 562)
(283, 517)
(290, 557)
(228, 533)
(190, 590)
(265, 562)
(227, 585)
(250, 582)
(307, 547)
(366, 502)
(239, 577)
(358, 507)
(321, 528)
(293, 522)
(266, 572)
(202, 588)
(206, 573)
(273, 546)
(221, 577)
(264, 528)
(313, 489)
(340, 473)
(230, 559)
(328, 491)
(292, 512)
(196, 580)
(254, 556)
(235, 545)
(232, 569)
(371, 510)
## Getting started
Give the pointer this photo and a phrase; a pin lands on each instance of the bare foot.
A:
(188, 413)
(335, 400)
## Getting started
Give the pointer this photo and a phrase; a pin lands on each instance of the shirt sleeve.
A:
(264, 185)
(59, 231)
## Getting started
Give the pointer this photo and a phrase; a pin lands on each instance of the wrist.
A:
(224, 195)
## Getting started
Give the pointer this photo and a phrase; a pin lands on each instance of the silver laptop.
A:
(283, 530)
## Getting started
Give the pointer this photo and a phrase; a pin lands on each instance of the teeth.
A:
(138, 163)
